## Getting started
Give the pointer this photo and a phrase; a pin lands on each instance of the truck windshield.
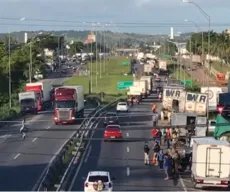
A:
(65, 104)
(27, 102)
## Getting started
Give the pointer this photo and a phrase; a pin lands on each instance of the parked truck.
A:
(210, 163)
(173, 100)
(43, 93)
(69, 104)
(143, 86)
(148, 69)
(149, 80)
(196, 103)
(28, 102)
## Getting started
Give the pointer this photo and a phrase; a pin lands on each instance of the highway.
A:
(125, 160)
(23, 161)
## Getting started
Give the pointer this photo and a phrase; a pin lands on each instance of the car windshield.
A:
(213, 123)
(103, 178)
(113, 127)
(123, 104)
(111, 115)
(65, 104)
(27, 102)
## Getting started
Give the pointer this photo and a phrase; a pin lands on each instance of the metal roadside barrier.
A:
(56, 167)
(70, 171)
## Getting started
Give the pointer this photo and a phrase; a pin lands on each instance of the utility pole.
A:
(96, 57)
(10, 88)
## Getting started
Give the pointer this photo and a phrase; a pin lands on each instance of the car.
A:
(111, 118)
(98, 181)
(211, 125)
(122, 106)
(112, 132)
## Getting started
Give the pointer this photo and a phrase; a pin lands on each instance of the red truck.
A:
(68, 104)
(42, 90)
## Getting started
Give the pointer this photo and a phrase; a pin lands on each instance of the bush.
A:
(6, 113)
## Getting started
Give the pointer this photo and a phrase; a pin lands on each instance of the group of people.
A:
(169, 161)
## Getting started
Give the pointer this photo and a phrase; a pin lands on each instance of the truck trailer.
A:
(69, 104)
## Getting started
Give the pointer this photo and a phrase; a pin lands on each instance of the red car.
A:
(112, 132)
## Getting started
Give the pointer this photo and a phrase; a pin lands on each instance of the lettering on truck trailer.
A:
(196, 103)
(172, 93)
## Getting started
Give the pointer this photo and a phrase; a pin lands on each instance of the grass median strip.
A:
(113, 72)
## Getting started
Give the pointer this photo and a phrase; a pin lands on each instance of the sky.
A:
(133, 16)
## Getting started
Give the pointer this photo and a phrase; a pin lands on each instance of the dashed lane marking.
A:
(128, 171)
(127, 134)
(127, 149)
(34, 139)
(17, 156)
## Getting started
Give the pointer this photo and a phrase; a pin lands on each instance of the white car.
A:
(98, 181)
(211, 125)
(122, 106)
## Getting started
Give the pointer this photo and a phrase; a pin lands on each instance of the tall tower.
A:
(171, 33)
(25, 37)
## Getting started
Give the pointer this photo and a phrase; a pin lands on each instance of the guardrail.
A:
(56, 167)
(70, 171)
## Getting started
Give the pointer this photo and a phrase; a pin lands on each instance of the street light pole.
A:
(10, 87)
(207, 16)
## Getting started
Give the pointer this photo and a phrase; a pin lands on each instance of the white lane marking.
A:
(128, 171)
(127, 149)
(182, 183)
(34, 139)
(5, 136)
(127, 134)
(48, 127)
(17, 156)
(88, 153)
(81, 160)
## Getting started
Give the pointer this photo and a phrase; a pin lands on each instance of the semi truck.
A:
(134, 94)
(28, 102)
(148, 69)
(173, 100)
(43, 93)
(143, 85)
(69, 104)
(149, 83)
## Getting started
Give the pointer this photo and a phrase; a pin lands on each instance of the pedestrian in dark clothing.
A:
(146, 154)
(158, 136)
(156, 147)
(160, 158)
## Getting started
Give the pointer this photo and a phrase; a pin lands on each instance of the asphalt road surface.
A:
(23, 161)
(125, 160)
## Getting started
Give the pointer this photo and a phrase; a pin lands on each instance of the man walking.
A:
(146, 154)
(160, 158)
(166, 166)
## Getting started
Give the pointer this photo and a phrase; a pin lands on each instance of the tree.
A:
(167, 48)
(76, 47)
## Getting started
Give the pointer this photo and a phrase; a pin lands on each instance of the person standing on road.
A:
(160, 158)
(166, 166)
(23, 129)
(146, 154)
(154, 120)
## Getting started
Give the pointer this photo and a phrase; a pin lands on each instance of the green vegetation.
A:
(219, 46)
(113, 73)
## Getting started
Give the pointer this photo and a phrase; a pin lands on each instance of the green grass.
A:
(112, 72)
(222, 68)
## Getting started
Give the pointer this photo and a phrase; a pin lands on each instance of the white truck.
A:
(173, 100)
(210, 163)
(143, 85)
(43, 93)
(27, 102)
(213, 93)
(134, 94)
(149, 80)
(163, 65)
(196, 103)
(148, 69)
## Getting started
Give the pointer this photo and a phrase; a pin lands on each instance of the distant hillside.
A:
(111, 37)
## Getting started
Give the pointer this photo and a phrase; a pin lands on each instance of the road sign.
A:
(186, 82)
(121, 85)
(125, 63)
